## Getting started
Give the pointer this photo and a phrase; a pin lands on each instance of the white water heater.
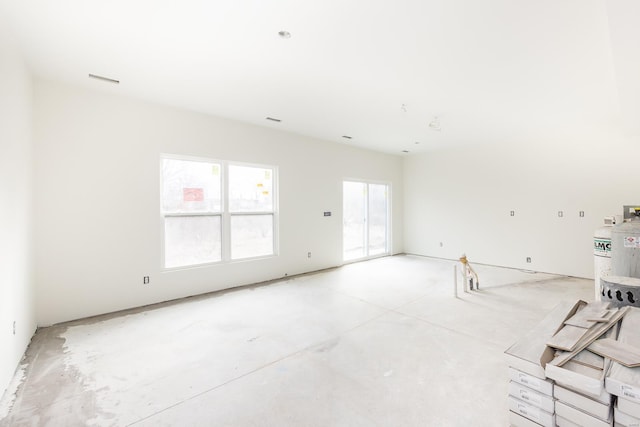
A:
(625, 247)
(602, 254)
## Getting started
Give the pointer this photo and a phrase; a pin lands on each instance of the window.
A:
(251, 211)
(215, 211)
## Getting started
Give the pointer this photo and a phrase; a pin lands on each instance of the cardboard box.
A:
(531, 412)
(605, 397)
(584, 403)
(531, 353)
(625, 420)
(586, 380)
(623, 381)
(563, 422)
(517, 420)
(539, 400)
(576, 416)
(537, 384)
(629, 407)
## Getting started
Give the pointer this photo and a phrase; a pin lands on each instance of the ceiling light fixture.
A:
(435, 124)
(274, 119)
(284, 34)
(104, 79)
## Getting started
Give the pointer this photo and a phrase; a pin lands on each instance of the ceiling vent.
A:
(104, 79)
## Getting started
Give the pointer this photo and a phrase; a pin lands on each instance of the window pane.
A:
(354, 213)
(190, 186)
(377, 219)
(191, 240)
(251, 236)
(250, 189)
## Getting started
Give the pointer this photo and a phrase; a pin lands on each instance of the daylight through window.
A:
(216, 211)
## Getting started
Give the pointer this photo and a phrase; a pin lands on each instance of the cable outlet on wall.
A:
(529, 259)
(145, 280)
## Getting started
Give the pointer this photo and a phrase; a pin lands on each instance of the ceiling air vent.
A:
(104, 79)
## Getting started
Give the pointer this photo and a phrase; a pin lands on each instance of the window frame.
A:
(224, 213)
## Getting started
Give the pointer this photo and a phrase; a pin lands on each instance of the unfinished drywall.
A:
(16, 302)
(624, 33)
(463, 199)
(460, 199)
(98, 225)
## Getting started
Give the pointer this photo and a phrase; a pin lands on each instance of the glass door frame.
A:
(388, 247)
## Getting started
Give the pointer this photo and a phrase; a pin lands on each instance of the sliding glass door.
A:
(365, 220)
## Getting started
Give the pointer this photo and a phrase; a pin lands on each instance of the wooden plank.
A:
(593, 334)
(622, 353)
(592, 310)
(602, 317)
(623, 381)
(589, 359)
(567, 338)
(530, 353)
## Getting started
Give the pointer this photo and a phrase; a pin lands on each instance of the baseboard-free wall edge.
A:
(16, 383)
(500, 266)
(219, 292)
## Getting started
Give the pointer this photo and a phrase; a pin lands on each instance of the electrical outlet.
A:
(145, 280)
(581, 213)
(14, 327)
(308, 254)
(513, 213)
(441, 244)
(560, 214)
(528, 259)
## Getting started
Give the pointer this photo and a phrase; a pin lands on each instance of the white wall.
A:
(16, 301)
(463, 198)
(98, 227)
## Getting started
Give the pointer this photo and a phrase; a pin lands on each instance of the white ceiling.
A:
(493, 71)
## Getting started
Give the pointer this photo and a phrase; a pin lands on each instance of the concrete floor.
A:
(377, 343)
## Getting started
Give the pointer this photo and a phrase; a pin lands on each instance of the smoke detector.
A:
(435, 124)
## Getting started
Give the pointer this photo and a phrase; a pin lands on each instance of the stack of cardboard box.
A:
(580, 374)
(531, 401)
(570, 368)
(623, 379)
